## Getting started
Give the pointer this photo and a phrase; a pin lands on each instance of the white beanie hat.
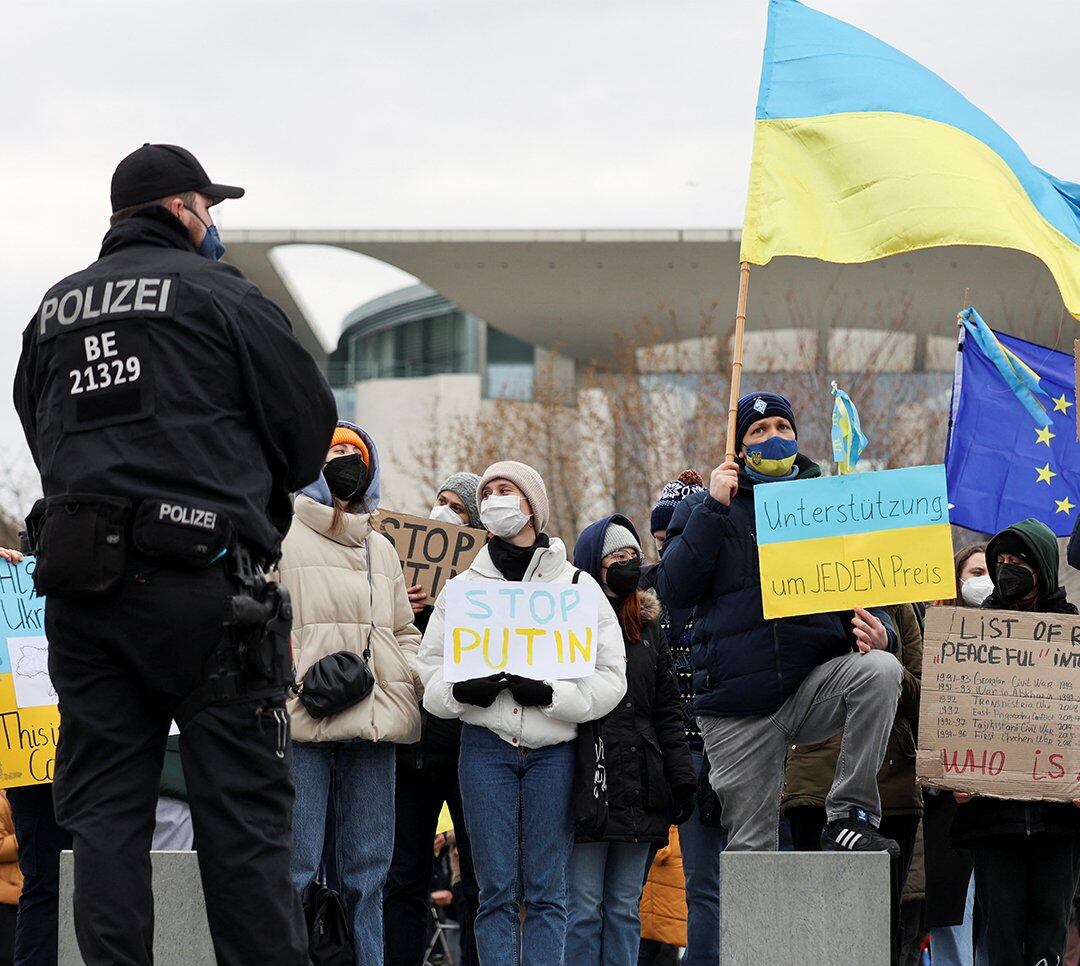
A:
(616, 537)
(526, 479)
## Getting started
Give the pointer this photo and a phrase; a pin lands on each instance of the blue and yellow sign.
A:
(29, 718)
(864, 539)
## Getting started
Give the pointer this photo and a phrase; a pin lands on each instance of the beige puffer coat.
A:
(334, 610)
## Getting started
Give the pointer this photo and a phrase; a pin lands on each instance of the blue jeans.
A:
(518, 811)
(701, 848)
(606, 878)
(954, 945)
(364, 832)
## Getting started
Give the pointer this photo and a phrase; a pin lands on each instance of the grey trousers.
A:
(857, 693)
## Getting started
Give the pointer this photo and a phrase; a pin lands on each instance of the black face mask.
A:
(1014, 582)
(623, 578)
(347, 477)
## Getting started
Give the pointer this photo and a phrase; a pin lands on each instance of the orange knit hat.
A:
(343, 434)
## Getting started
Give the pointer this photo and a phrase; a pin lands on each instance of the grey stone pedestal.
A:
(181, 935)
(795, 908)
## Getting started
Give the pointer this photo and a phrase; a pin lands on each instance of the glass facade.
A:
(510, 367)
(420, 347)
(417, 332)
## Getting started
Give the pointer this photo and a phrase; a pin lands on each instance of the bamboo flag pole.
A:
(736, 361)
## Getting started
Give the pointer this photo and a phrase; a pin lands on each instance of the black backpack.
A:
(329, 939)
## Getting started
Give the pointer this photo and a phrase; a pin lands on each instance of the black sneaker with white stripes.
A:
(856, 834)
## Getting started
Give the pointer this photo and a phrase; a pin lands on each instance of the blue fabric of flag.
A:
(1002, 467)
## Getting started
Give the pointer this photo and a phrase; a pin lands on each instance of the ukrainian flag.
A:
(860, 152)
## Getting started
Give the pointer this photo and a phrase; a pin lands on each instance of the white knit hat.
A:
(617, 537)
(526, 479)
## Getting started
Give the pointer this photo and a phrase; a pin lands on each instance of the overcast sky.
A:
(442, 114)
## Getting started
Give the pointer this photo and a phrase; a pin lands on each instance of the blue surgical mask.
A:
(211, 246)
(773, 457)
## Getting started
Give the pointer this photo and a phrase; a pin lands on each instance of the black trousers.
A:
(120, 666)
(418, 798)
(41, 841)
(807, 821)
(1025, 887)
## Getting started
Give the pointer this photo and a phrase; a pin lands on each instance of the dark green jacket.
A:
(811, 768)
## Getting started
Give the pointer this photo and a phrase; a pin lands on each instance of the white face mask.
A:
(975, 590)
(444, 514)
(502, 515)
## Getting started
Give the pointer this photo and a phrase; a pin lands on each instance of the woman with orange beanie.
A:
(349, 601)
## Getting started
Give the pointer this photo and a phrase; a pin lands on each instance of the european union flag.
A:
(1002, 467)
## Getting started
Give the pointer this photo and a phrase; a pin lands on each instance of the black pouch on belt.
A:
(81, 544)
(180, 534)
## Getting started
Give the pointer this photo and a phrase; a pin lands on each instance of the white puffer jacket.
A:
(334, 608)
(574, 702)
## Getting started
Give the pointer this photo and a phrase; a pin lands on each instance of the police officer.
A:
(170, 411)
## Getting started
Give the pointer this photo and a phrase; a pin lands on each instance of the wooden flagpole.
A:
(736, 361)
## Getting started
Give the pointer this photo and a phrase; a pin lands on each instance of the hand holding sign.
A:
(870, 633)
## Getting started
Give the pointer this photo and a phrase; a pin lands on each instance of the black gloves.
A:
(483, 691)
(529, 693)
(685, 799)
(479, 691)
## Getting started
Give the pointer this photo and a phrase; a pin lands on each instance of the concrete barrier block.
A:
(790, 908)
(181, 934)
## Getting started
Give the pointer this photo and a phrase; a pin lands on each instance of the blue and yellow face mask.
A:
(773, 458)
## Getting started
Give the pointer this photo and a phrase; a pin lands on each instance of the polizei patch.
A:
(187, 516)
(106, 300)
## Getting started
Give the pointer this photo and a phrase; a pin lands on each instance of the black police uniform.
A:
(170, 411)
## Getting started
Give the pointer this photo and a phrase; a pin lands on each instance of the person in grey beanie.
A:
(427, 776)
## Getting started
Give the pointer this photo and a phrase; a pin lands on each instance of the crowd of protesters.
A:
(589, 814)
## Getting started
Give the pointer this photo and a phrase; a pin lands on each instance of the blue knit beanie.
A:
(759, 405)
(671, 496)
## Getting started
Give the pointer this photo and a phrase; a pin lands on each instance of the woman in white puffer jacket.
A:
(349, 594)
(517, 743)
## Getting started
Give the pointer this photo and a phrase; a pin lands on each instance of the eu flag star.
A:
(1045, 474)
(1044, 436)
(1061, 404)
(1064, 506)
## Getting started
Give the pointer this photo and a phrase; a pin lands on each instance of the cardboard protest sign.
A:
(430, 552)
(863, 539)
(29, 719)
(541, 631)
(1000, 712)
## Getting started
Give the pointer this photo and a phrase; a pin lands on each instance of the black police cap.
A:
(157, 170)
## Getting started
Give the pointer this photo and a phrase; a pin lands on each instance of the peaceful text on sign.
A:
(1000, 710)
(541, 631)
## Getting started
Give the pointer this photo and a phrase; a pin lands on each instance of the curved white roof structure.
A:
(573, 290)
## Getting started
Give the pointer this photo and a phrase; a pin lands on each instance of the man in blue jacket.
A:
(764, 685)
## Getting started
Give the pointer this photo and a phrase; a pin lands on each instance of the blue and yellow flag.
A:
(1002, 464)
(848, 439)
(860, 152)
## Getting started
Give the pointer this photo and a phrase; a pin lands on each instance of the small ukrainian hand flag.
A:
(848, 439)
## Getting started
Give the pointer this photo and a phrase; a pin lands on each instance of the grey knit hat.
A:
(526, 479)
(616, 537)
(464, 485)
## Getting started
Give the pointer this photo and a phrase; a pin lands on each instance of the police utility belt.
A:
(81, 542)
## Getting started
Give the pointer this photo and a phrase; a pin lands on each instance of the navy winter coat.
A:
(743, 664)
